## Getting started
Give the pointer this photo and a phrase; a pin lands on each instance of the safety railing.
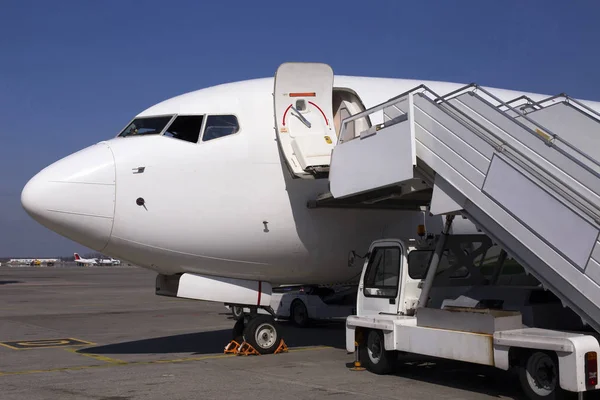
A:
(574, 198)
(589, 208)
(552, 138)
(347, 135)
(523, 102)
(595, 115)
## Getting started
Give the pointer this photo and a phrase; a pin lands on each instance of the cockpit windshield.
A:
(146, 126)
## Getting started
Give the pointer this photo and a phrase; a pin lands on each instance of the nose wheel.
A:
(261, 333)
(258, 335)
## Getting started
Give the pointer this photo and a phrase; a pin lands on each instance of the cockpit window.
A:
(186, 127)
(146, 126)
(220, 125)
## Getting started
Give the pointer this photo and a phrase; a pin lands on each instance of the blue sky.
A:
(73, 73)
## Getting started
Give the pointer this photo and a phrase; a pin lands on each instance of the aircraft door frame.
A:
(303, 102)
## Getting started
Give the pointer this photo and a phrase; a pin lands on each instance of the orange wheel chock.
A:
(246, 349)
(232, 347)
(282, 348)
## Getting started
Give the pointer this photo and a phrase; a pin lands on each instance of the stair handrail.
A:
(546, 131)
(369, 111)
(591, 210)
(530, 102)
(568, 99)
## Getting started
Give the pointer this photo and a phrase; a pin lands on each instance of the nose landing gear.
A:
(256, 334)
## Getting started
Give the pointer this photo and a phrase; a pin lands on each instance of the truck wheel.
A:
(299, 313)
(261, 333)
(374, 355)
(538, 374)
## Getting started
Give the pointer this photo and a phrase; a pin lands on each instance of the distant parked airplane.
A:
(84, 261)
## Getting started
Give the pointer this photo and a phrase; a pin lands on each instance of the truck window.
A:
(418, 262)
(486, 263)
(383, 274)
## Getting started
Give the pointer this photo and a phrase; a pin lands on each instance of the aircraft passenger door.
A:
(304, 116)
(379, 288)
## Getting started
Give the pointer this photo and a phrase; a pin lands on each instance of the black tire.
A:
(299, 313)
(237, 333)
(261, 333)
(237, 312)
(373, 355)
(539, 376)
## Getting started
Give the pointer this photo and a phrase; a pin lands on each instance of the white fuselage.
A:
(227, 207)
(207, 203)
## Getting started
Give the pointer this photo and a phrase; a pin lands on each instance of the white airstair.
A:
(526, 173)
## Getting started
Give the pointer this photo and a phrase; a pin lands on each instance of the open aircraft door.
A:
(304, 116)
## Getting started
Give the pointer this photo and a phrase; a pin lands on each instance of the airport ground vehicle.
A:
(394, 316)
(303, 304)
(527, 174)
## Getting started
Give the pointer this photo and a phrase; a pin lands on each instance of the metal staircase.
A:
(527, 173)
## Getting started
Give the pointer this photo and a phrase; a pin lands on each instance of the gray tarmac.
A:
(101, 333)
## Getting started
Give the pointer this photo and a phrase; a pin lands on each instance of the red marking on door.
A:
(310, 102)
(326, 121)
(285, 113)
(304, 94)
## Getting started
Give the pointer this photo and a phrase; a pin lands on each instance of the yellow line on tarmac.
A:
(38, 371)
(186, 359)
(309, 348)
(97, 357)
(178, 360)
(112, 362)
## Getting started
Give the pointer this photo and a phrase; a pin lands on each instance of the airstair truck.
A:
(526, 172)
(392, 317)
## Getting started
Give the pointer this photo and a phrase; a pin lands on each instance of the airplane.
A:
(217, 187)
(108, 261)
(84, 261)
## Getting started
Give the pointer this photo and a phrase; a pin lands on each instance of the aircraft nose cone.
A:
(75, 196)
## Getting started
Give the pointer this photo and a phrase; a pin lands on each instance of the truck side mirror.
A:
(352, 257)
